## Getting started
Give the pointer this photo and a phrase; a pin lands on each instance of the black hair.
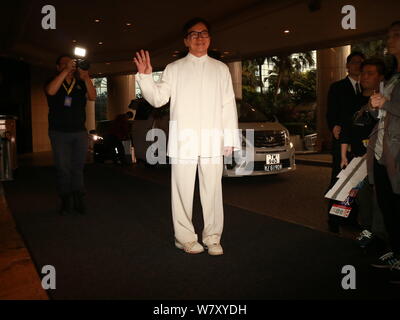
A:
(193, 22)
(63, 56)
(355, 54)
(378, 63)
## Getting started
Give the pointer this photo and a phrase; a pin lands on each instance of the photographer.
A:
(66, 96)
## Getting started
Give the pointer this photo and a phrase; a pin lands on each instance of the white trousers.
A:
(183, 178)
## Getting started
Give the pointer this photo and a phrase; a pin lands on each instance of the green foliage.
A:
(371, 49)
(288, 88)
(303, 87)
(249, 79)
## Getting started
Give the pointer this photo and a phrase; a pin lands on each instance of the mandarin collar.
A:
(193, 58)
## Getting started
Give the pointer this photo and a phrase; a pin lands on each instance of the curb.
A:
(318, 163)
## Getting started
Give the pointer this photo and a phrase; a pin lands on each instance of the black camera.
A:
(82, 64)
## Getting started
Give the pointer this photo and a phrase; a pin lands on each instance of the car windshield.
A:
(248, 113)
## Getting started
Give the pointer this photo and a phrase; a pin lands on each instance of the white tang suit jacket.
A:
(203, 116)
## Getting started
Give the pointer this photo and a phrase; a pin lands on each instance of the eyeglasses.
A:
(197, 34)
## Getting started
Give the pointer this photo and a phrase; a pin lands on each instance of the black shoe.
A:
(386, 261)
(395, 274)
(79, 202)
(66, 204)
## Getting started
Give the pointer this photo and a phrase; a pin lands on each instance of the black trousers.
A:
(336, 160)
(69, 152)
(389, 203)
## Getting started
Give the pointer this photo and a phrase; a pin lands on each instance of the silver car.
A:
(266, 146)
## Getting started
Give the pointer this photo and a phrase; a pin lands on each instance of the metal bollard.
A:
(6, 172)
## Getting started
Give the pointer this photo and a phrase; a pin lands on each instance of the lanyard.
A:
(70, 87)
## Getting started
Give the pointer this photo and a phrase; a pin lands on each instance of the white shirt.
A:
(203, 115)
(354, 83)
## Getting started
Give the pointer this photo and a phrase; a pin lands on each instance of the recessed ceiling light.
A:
(286, 31)
(226, 52)
(74, 41)
(97, 20)
(128, 24)
(100, 43)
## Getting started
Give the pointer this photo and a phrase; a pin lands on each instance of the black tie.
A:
(358, 90)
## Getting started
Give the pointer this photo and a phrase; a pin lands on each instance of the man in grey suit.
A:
(384, 154)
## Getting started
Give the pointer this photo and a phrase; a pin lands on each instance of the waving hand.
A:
(142, 61)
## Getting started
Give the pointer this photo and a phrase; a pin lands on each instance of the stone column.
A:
(90, 115)
(235, 69)
(331, 67)
(120, 92)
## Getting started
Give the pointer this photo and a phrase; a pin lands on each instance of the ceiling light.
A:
(286, 31)
(97, 20)
(226, 52)
(80, 52)
(128, 24)
(74, 41)
(100, 43)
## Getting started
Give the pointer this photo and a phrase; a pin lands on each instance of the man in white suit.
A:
(203, 128)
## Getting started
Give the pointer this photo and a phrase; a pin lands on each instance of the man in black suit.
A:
(343, 102)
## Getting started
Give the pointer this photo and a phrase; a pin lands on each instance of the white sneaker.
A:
(214, 249)
(190, 247)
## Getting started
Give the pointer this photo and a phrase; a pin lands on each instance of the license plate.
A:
(273, 167)
(273, 158)
(341, 211)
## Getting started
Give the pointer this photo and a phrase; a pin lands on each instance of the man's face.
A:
(197, 44)
(370, 77)
(393, 40)
(63, 64)
(354, 66)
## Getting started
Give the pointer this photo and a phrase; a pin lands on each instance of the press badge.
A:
(68, 101)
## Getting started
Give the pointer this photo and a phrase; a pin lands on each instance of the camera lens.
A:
(83, 64)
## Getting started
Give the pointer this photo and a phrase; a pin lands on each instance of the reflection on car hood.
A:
(260, 126)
